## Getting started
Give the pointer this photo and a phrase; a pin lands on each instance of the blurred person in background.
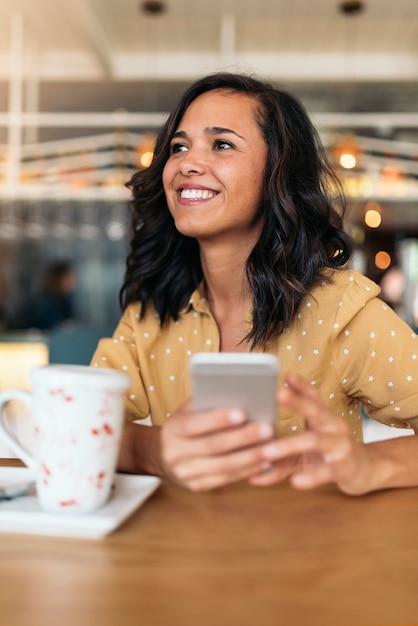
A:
(4, 320)
(393, 285)
(415, 308)
(4, 310)
(53, 306)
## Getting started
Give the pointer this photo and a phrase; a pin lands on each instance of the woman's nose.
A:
(192, 163)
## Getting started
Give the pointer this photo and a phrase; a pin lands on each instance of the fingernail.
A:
(270, 451)
(265, 430)
(236, 416)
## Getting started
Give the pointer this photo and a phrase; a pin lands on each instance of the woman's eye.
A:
(177, 147)
(221, 144)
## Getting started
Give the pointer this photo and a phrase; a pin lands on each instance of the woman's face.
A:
(213, 178)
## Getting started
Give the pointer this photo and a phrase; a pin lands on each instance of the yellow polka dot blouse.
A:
(344, 340)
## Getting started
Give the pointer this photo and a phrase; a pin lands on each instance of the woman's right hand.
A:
(205, 450)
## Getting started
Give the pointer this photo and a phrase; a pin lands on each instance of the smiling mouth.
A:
(197, 194)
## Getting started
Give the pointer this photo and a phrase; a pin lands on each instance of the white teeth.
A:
(196, 194)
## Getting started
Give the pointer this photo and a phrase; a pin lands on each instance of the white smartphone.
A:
(235, 380)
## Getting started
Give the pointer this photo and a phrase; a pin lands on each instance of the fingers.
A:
(334, 455)
(305, 471)
(315, 477)
(301, 387)
(272, 473)
(311, 448)
(209, 449)
(210, 472)
(301, 397)
(189, 424)
(217, 443)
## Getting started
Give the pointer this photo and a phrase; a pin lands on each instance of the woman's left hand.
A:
(326, 452)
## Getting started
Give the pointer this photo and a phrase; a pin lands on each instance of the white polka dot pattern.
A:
(344, 341)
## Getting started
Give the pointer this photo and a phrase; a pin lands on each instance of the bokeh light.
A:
(373, 219)
(146, 159)
(372, 214)
(348, 161)
(382, 259)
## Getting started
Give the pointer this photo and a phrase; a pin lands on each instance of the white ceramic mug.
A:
(77, 421)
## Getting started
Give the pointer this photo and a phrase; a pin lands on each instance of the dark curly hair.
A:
(302, 209)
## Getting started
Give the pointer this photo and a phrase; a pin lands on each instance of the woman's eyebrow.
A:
(209, 130)
(220, 130)
(180, 134)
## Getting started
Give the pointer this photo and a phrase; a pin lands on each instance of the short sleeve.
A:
(375, 354)
(120, 352)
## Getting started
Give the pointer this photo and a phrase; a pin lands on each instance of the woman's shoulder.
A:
(347, 283)
(341, 296)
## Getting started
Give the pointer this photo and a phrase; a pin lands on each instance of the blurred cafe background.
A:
(84, 87)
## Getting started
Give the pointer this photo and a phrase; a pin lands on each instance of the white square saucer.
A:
(23, 514)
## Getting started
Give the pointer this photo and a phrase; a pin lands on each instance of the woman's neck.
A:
(224, 271)
(228, 294)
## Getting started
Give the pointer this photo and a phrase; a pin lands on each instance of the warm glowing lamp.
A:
(372, 218)
(348, 161)
(373, 214)
(145, 150)
(382, 259)
(146, 158)
(347, 151)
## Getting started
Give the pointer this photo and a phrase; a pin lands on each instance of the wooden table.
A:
(235, 557)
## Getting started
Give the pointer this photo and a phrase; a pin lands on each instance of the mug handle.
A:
(21, 451)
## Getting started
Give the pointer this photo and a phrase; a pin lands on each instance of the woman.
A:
(237, 245)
